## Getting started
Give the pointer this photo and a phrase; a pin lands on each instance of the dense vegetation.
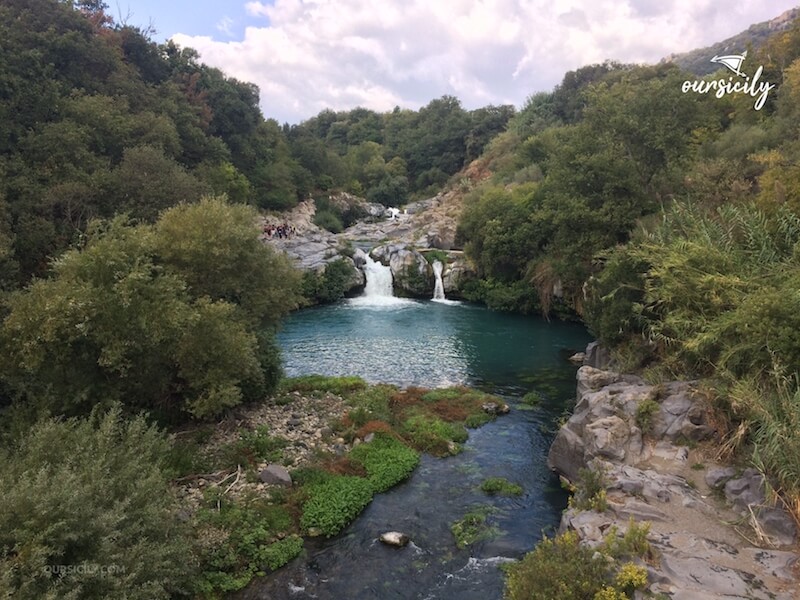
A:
(135, 289)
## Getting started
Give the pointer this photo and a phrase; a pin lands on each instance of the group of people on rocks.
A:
(282, 231)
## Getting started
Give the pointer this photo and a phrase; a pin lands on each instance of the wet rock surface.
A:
(723, 544)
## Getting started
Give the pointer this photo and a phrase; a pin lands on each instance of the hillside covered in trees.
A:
(97, 119)
(136, 294)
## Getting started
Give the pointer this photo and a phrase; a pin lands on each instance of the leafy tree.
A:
(162, 318)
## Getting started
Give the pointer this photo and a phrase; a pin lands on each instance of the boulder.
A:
(457, 272)
(395, 538)
(412, 274)
(597, 356)
(276, 475)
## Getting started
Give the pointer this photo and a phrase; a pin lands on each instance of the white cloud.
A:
(225, 25)
(306, 55)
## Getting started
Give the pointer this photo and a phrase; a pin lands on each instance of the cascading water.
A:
(438, 290)
(379, 290)
(379, 279)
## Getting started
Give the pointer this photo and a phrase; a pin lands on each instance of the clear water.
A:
(433, 344)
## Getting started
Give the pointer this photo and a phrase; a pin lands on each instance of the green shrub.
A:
(501, 486)
(387, 461)
(562, 567)
(645, 411)
(244, 534)
(589, 491)
(281, 552)
(558, 568)
(333, 504)
(89, 500)
(328, 219)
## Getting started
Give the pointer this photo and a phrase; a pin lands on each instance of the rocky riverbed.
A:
(716, 533)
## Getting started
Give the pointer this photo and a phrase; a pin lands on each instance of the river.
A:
(431, 344)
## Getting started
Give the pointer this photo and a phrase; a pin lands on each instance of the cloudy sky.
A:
(307, 55)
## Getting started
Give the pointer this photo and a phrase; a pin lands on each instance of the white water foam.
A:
(379, 290)
(438, 289)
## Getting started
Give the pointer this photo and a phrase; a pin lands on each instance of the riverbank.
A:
(644, 458)
(306, 463)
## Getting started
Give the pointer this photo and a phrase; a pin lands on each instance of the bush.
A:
(90, 498)
(333, 504)
(558, 568)
(387, 461)
(281, 552)
(590, 491)
(328, 219)
(645, 411)
(243, 537)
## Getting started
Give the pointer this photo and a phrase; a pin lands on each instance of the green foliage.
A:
(333, 504)
(90, 499)
(501, 486)
(590, 491)
(157, 318)
(472, 527)
(645, 411)
(433, 435)
(478, 419)
(243, 542)
(562, 567)
(281, 552)
(340, 386)
(387, 461)
(329, 286)
(327, 219)
(532, 398)
(253, 447)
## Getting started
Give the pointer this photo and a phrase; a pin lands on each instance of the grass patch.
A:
(341, 386)
(472, 527)
(501, 486)
(432, 434)
(480, 419)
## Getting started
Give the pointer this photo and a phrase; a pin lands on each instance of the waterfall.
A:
(379, 279)
(379, 290)
(438, 290)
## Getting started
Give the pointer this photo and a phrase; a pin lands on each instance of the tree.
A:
(87, 513)
(168, 318)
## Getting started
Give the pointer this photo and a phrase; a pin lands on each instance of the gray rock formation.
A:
(412, 274)
(645, 476)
